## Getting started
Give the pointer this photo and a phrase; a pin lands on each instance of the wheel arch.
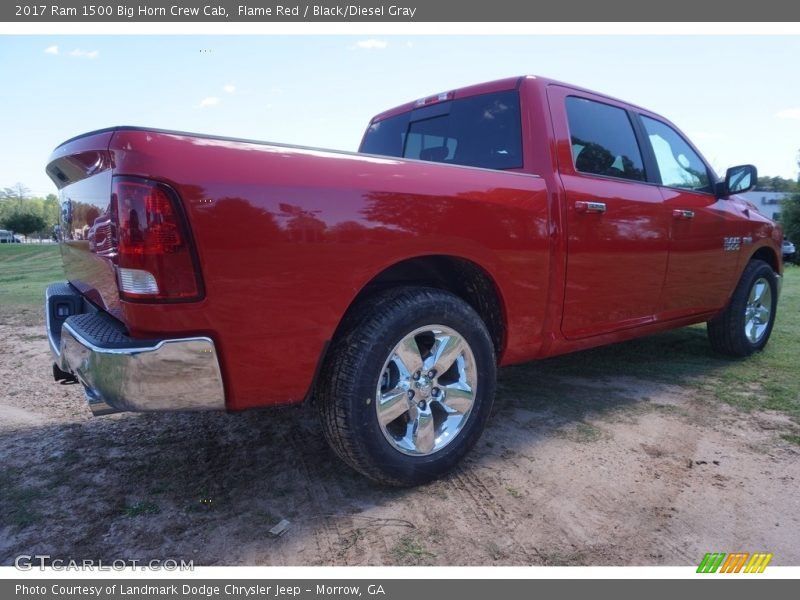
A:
(460, 276)
(769, 256)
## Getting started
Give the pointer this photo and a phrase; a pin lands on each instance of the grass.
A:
(18, 501)
(495, 552)
(583, 433)
(792, 438)
(409, 551)
(26, 270)
(141, 508)
(559, 559)
(351, 539)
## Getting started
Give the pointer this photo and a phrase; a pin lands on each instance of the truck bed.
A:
(286, 236)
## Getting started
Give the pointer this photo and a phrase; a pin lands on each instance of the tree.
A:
(51, 210)
(790, 218)
(776, 184)
(790, 213)
(24, 223)
(15, 194)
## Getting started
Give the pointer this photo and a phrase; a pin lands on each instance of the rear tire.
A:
(746, 323)
(408, 385)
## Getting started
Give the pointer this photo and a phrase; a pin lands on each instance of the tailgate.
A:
(81, 168)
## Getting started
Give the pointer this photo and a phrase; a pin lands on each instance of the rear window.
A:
(479, 131)
(603, 142)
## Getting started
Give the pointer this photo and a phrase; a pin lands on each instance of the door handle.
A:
(585, 206)
(683, 214)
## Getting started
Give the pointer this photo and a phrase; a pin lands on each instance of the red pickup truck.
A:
(476, 228)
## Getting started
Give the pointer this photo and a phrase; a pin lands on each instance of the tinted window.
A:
(603, 142)
(386, 137)
(680, 166)
(479, 131)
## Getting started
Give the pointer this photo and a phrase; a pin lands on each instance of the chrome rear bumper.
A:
(123, 374)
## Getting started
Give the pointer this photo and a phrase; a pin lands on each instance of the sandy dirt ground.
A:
(615, 471)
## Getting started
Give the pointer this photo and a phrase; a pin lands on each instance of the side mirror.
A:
(738, 180)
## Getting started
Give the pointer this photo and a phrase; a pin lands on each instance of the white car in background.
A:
(8, 237)
(789, 251)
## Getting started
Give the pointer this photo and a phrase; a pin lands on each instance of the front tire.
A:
(746, 323)
(408, 385)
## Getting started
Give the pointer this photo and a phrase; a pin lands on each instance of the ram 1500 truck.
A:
(481, 227)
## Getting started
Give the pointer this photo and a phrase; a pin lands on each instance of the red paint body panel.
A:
(700, 271)
(283, 254)
(287, 237)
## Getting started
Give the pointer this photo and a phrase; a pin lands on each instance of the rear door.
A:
(617, 229)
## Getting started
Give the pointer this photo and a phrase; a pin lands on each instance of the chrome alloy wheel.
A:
(426, 390)
(758, 310)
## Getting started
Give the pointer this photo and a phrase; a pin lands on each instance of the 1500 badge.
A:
(731, 243)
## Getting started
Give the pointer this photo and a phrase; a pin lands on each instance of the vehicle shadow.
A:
(209, 487)
(620, 373)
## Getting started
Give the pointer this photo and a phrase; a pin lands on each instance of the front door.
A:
(702, 260)
(617, 228)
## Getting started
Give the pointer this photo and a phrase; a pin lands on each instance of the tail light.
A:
(154, 253)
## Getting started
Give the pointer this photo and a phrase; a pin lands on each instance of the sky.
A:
(736, 97)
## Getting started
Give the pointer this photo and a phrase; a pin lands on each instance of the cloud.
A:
(229, 88)
(90, 54)
(51, 50)
(209, 101)
(372, 44)
(789, 113)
